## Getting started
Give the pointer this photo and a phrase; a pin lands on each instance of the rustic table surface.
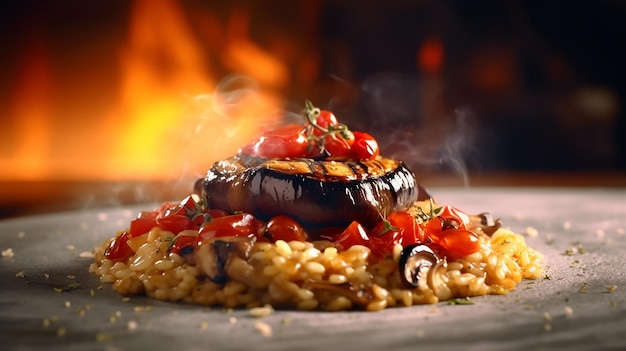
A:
(49, 301)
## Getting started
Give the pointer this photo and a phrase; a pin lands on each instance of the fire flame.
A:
(172, 116)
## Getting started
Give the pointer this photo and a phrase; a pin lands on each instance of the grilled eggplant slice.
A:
(318, 194)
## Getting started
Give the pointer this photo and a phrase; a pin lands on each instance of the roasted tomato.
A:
(286, 142)
(460, 243)
(449, 232)
(284, 228)
(365, 147)
(187, 214)
(324, 119)
(338, 146)
(118, 249)
(145, 221)
(400, 228)
(354, 234)
(241, 224)
(183, 244)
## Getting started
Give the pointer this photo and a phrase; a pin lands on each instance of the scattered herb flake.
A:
(584, 288)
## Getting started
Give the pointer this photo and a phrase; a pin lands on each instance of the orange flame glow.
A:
(31, 108)
(171, 118)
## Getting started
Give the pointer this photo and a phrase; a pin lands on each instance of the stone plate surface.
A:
(49, 301)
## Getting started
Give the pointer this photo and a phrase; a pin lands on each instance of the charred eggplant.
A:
(318, 194)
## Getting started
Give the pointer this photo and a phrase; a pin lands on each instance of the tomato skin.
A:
(118, 249)
(240, 224)
(284, 228)
(324, 120)
(286, 142)
(338, 147)
(216, 213)
(145, 221)
(449, 211)
(404, 231)
(460, 243)
(365, 147)
(183, 243)
(172, 221)
(354, 234)
(449, 232)
(187, 214)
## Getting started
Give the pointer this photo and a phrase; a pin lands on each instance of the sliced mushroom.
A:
(214, 255)
(358, 297)
(414, 260)
(485, 222)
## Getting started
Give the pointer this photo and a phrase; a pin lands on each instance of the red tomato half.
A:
(145, 221)
(401, 228)
(338, 147)
(365, 147)
(187, 214)
(354, 234)
(241, 224)
(118, 249)
(284, 228)
(459, 243)
(182, 243)
(449, 232)
(286, 142)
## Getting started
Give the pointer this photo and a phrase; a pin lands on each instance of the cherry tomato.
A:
(240, 224)
(216, 213)
(449, 232)
(324, 119)
(183, 244)
(354, 234)
(187, 214)
(400, 227)
(284, 228)
(118, 249)
(459, 243)
(436, 227)
(338, 147)
(365, 147)
(286, 142)
(145, 221)
(449, 211)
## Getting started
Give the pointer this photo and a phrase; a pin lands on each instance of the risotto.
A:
(310, 216)
(317, 274)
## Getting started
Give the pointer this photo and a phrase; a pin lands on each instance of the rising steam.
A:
(407, 117)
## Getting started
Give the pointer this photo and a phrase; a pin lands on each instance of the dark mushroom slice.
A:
(358, 297)
(414, 260)
(485, 222)
(214, 255)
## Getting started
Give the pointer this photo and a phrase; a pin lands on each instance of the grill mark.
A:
(357, 169)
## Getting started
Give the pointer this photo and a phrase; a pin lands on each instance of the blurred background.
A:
(105, 103)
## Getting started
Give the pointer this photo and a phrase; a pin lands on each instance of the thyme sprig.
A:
(423, 216)
(338, 132)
